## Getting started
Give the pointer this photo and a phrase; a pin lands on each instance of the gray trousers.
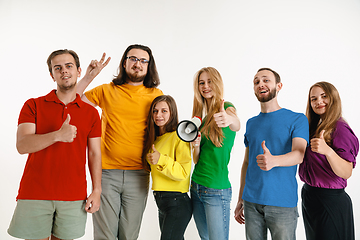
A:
(123, 200)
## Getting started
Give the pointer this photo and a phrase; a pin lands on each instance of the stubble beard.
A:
(66, 87)
(271, 95)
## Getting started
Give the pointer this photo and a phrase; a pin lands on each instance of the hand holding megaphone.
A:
(222, 118)
(196, 142)
(188, 130)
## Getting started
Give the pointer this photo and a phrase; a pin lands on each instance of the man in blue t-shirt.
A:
(275, 142)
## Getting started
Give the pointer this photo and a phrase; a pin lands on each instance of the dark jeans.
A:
(175, 210)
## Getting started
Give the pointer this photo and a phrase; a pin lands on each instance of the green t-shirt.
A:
(212, 168)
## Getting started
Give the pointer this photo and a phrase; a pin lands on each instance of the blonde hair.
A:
(331, 116)
(201, 108)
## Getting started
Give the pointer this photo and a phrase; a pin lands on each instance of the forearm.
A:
(83, 84)
(244, 168)
(290, 159)
(340, 166)
(196, 154)
(294, 157)
(31, 143)
(242, 181)
(176, 170)
(94, 162)
(235, 121)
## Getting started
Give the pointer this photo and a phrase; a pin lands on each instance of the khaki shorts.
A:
(37, 219)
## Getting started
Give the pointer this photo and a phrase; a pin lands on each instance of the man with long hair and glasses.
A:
(125, 103)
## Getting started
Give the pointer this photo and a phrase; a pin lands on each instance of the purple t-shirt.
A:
(316, 170)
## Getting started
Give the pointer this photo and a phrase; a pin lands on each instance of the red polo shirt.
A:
(58, 171)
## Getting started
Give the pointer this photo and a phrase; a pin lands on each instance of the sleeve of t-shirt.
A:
(95, 95)
(96, 127)
(28, 112)
(301, 127)
(228, 104)
(345, 143)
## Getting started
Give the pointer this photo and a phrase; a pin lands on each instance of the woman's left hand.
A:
(221, 118)
(319, 145)
(153, 157)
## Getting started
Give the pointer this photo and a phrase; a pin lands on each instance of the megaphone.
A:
(189, 130)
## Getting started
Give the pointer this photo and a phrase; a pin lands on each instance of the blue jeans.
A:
(281, 221)
(211, 210)
(175, 211)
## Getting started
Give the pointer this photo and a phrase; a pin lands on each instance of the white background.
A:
(304, 41)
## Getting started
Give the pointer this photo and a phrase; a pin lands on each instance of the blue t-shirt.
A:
(277, 187)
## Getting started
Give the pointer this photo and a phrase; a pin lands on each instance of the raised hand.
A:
(67, 132)
(319, 145)
(222, 118)
(153, 157)
(266, 160)
(95, 66)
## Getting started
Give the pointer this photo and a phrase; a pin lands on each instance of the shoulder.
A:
(344, 137)
(154, 91)
(295, 116)
(342, 128)
(48, 97)
(228, 104)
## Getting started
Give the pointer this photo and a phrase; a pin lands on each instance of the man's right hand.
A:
(239, 212)
(67, 132)
(96, 66)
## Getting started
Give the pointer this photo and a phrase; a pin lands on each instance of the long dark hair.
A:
(152, 77)
(152, 130)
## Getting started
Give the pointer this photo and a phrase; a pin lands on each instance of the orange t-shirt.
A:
(124, 113)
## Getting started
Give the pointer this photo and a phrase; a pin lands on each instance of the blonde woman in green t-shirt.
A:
(210, 185)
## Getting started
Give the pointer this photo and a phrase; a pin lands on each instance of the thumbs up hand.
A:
(67, 132)
(153, 157)
(222, 118)
(319, 145)
(266, 160)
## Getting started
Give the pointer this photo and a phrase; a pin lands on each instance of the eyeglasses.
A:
(135, 59)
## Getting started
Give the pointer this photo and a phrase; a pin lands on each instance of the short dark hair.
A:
(277, 76)
(152, 77)
(60, 52)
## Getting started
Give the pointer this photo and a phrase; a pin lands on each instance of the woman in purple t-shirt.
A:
(328, 163)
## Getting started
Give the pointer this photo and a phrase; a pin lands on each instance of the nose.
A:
(318, 101)
(137, 63)
(64, 70)
(157, 114)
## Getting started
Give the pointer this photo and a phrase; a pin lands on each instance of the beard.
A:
(67, 87)
(267, 98)
(135, 77)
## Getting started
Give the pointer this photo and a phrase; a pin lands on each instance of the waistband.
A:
(168, 194)
(323, 190)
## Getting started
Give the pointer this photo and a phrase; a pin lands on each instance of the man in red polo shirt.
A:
(57, 131)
